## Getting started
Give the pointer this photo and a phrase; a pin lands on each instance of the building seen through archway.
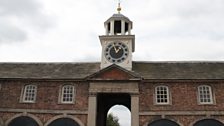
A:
(122, 113)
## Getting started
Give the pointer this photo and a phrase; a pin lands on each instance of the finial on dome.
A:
(119, 7)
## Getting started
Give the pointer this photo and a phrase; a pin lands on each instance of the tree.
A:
(112, 120)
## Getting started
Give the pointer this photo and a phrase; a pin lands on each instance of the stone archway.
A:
(102, 96)
(106, 100)
(72, 121)
(208, 122)
(64, 122)
(27, 115)
(23, 121)
(163, 122)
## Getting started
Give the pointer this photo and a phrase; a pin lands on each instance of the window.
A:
(162, 95)
(205, 94)
(29, 94)
(67, 94)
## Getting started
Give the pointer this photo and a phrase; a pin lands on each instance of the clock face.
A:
(116, 52)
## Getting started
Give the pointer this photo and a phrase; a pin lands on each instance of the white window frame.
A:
(167, 95)
(205, 94)
(29, 94)
(66, 94)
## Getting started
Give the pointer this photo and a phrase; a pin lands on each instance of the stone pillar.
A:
(106, 30)
(92, 110)
(111, 27)
(134, 110)
(129, 29)
(122, 27)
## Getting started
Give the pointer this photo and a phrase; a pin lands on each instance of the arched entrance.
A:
(23, 121)
(163, 122)
(106, 100)
(208, 122)
(64, 122)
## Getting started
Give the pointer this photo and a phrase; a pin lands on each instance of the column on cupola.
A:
(122, 27)
(107, 30)
(129, 29)
(112, 27)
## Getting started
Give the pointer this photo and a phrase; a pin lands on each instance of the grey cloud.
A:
(192, 8)
(21, 17)
(19, 7)
(190, 18)
(9, 34)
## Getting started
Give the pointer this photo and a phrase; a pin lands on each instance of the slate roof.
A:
(147, 70)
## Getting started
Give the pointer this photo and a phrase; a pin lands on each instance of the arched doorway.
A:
(123, 114)
(163, 122)
(106, 100)
(63, 122)
(208, 122)
(23, 121)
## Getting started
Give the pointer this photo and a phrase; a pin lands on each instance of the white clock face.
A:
(116, 52)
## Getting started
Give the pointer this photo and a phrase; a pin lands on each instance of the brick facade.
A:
(47, 103)
(183, 109)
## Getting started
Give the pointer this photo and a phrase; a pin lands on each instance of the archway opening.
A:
(163, 122)
(208, 122)
(23, 121)
(122, 113)
(64, 122)
(107, 100)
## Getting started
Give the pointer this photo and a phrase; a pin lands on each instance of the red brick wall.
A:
(47, 99)
(47, 96)
(183, 96)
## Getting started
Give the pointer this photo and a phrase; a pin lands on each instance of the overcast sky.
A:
(68, 30)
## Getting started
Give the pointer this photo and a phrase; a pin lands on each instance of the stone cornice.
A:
(45, 111)
(182, 113)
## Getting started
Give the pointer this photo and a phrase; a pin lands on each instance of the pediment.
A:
(114, 72)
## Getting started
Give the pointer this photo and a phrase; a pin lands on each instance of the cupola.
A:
(118, 24)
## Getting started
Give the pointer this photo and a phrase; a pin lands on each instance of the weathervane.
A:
(119, 7)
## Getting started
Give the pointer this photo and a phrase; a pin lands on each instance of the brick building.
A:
(80, 94)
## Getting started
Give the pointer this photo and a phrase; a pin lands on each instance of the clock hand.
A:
(116, 50)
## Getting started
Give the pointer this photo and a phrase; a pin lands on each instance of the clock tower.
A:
(118, 43)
